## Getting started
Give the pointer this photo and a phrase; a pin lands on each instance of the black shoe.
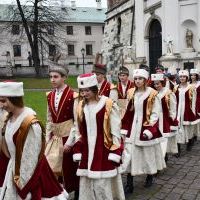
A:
(76, 195)
(129, 185)
(189, 145)
(195, 138)
(149, 181)
(166, 158)
(179, 151)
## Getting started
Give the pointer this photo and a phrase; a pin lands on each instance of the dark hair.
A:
(143, 66)
(197, 78)
(17, 101)
(94, 89)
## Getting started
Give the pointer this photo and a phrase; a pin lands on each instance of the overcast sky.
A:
(79, 3)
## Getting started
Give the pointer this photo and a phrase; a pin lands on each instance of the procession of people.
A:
(97, 134)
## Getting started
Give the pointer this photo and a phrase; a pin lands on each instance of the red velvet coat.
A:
(105, 89)
(198, 99)
(189, 117)
(101, 166)
(64, 113)
(43, 183)
(169, 124)
(65, 108)
(120, 91)
(3, 167)
(133, 112)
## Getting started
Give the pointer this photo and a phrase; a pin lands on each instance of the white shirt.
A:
(58, 96)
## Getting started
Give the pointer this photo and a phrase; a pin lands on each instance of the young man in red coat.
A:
(60, 120)
(105, 88)
(122, 88)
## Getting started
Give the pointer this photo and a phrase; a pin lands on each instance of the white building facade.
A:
(81, 28)
(163, 31)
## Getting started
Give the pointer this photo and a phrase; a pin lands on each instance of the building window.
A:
(52, 50)
(17, 50)
(119, 23)
(69, 30)
(103, 29)
(50, 29)
(88, 30)
(71, 50)
(15, 29)
(89, 50)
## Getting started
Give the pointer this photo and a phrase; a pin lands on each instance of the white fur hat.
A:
(87, 80)
(183, 73)
(141, 73)
(194, 71)
(172, 71)
(11, 89)
(157, 77)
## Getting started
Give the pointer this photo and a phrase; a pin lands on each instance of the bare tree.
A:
(39, 21)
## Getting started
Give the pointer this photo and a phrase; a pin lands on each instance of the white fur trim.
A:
(123, 132)
(191, 122)
(87, 81)
(174, 128)
(194, 71)
(168, 135)
(141, 73)
(63, 196)
(77, 157)
(114, 157)
(183, 73)
(148, 134)
(157, 77)
(11, 89)
(96, 174)
(29, 196)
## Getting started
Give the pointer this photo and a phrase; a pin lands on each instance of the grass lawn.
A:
(37, 101)
(44, 83)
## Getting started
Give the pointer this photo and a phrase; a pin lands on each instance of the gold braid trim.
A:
(191, 91)
(130, 97)
(150, 102)
(108, 141)
(167, 98)
(79, 112)
(20, 142)
(175, 88)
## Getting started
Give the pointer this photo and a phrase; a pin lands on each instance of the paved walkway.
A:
(180, 180)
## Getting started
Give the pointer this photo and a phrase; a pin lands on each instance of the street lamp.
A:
(83, 55)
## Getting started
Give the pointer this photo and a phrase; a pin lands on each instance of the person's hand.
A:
(67, 148)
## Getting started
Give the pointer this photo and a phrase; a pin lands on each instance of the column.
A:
(171, 23)
(139, 28)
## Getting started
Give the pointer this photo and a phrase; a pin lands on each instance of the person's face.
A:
(159, 71)
(6, 104)
(139, 82)
(158, 85)
(193, 77)
(56, 79)
(87, 94)
(183, 79)
(100, 77)
(123, 78)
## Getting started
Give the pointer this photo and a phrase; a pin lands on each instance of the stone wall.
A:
(118, 48)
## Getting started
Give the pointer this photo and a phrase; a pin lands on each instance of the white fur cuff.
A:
(123, 132)
(29, 196)
(77, 157)
(114, 157)
(148, 134)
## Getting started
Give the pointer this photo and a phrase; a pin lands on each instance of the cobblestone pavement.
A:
(180, 180)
